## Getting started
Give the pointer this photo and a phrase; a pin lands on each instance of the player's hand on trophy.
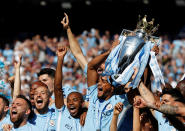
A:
(65, 21)
(135, 73)
(155, 49)
(114, 44)
(127, 86)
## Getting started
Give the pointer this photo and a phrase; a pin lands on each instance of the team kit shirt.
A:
(6, 120)
(65, 122)
(100, 112)
(45, 122)
(163, 123)
(27, 127)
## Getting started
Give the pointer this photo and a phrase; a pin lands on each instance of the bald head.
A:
(74, 104)
(77, 94)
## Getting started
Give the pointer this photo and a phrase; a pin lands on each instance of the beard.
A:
(102, 97)
(1, 114)
(17, 120)
(43, 109)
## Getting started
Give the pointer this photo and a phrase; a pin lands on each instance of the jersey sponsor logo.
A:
(68, 127)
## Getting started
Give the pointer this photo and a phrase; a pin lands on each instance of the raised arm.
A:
(177, 109)
(146, 93)
(73, 43)
(136, 120)
(117, 110)
(92, 75)
(59, 98)
(17, 82)
(11, 82)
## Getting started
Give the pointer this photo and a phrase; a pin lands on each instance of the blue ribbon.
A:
(140, 62)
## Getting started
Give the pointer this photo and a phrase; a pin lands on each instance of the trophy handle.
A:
(155, 39)
(126, 33)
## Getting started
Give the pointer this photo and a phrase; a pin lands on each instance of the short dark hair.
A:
(80, 95)
(29, 105)
(49, 71)
(181, 87)
(5, 100)
(175, 93)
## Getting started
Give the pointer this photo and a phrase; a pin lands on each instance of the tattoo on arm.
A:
(168, 109)
(143, 91)
(146, 93)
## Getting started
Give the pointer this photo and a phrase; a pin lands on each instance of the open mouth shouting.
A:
(39, 102)
(100, 91)
(72, 110)
(14, 113)
(100, 70)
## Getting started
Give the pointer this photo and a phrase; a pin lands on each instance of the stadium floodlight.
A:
(66, 5)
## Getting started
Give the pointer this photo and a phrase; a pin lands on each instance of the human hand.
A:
(61, 51)
(118, 108)
(139, 102)
(114, 44)
(65, 21)
(7, 127)
(82, 118)
(134, 74)
(18, 63)
(127, 85)
(155, 49)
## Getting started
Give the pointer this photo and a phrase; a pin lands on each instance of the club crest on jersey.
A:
(109, 107)
(52, 122)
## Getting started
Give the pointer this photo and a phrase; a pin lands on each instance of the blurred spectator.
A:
(39, 52)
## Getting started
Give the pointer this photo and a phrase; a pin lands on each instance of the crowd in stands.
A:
(55, 57)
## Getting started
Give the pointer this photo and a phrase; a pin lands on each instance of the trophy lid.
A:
(147, 27)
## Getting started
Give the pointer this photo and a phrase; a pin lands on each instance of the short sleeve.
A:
(67, 89)
(92, 91)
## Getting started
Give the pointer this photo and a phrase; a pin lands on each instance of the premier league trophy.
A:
(132, 52)
(133, 44)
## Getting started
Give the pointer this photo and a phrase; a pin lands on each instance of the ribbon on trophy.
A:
(134, 51)
(1, 69)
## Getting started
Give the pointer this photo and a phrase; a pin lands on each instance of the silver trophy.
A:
(134, 41)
